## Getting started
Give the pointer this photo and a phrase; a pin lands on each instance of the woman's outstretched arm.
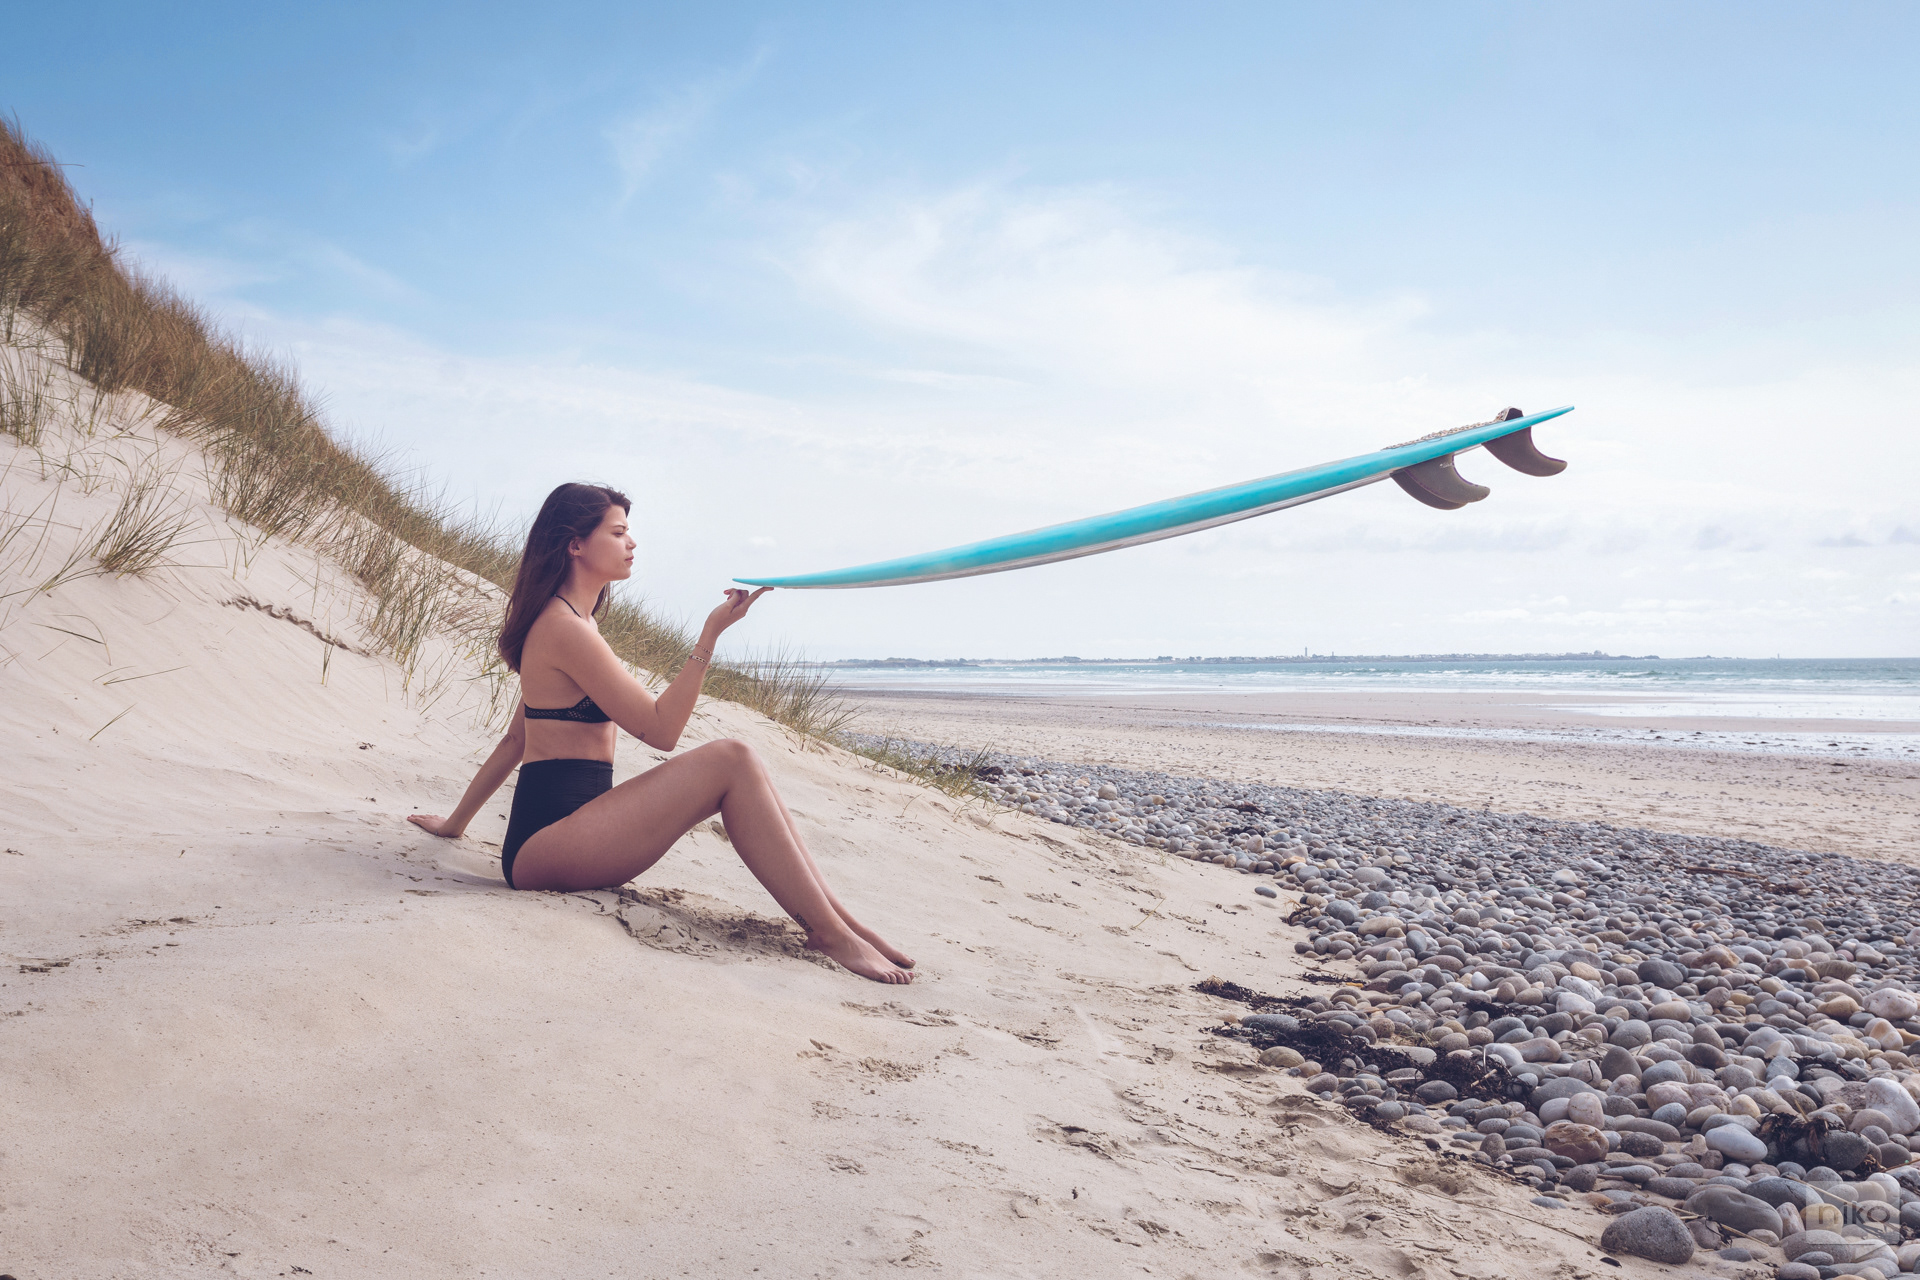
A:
(487, 781)
(658, 722)
(674, 707)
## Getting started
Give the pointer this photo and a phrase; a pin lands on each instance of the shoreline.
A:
(1516, 709)
(1361, 744)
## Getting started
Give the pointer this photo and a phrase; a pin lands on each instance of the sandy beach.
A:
(256, 1024)
(1866, 807)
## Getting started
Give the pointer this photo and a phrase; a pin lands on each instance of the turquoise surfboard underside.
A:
(1156, 520)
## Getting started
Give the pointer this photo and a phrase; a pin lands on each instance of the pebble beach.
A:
(1704, 1038)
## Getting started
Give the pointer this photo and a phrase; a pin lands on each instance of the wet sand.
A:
(1862, 806)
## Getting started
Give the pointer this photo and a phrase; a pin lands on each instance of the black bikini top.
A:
(581, 712)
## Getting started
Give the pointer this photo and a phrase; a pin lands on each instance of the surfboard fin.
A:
(1519, 452)
(1437, 484)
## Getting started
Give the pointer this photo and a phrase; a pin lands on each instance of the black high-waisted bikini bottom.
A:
(548, 791)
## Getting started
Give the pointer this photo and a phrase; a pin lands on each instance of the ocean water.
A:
(1860, 690)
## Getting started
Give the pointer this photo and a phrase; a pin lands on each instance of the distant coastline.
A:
(1270, 659)
(1817, 694)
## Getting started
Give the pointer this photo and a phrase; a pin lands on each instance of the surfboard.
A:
(1423, 468)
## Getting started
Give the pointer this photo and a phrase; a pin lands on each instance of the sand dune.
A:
(258, 1025)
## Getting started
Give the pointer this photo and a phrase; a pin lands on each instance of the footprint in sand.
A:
(690, 924)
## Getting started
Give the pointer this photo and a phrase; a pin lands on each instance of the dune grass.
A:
(25, 404)
(950, 770)
(150, 521)
(274, 465)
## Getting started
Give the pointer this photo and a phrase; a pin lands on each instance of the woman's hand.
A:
(433, 825)
(738, 602)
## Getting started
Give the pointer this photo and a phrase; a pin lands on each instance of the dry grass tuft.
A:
(144, 529)
(946, 769)
(273, 463)
(17, 556)
(785, 688)
(25, 404)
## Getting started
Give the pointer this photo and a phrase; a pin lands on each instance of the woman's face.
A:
(607, 552)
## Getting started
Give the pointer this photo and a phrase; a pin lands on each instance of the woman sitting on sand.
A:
(571, 828)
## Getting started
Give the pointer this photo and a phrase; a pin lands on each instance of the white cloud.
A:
(1070, 287)
(642, 140)
(1008, 358)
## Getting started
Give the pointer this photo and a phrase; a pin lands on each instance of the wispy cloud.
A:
(1073, 281)
(266, 254)
(403, 148)
(642, 140)
(203, 276)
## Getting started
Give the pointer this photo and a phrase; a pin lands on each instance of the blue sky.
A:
(820, 286)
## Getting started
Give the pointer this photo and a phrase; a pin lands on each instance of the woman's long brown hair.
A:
(570, 511)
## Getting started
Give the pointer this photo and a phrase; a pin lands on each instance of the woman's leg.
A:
(880, 944)
(614, 838)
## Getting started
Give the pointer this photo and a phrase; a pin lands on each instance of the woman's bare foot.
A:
(881, 945)
(431, 824)
(854, 955)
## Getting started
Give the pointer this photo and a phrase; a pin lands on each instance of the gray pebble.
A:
(1643, 1145)
(1730, 1208)
(1661, 973)
(1663, 1073)
(1653, 1233)
(1672, 1188)
(1642, 1124)
(1843, 1151)
(1581, 1177)
(1617, 1062)
(1736, 1143)
(1779, 1191)
(1276, 1022)
(1674, 1113)
(1631, 1034)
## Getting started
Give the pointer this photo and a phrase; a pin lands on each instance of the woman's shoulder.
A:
(558, 625)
